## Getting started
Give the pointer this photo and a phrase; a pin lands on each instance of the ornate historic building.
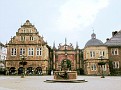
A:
(114, 51)
(28, 44)
(94, 52)
(66, 57)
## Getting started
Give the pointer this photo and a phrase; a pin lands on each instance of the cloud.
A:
(78, 14)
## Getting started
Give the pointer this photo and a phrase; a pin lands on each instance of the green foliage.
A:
(67, 62)
(101, 63)
(23, 63)
(114, 71)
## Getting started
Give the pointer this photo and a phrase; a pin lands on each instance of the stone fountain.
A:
(64, 73)
(65, 76)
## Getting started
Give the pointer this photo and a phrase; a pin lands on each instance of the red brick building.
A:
(66, 56)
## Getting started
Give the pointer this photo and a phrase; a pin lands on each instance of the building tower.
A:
(93, 51)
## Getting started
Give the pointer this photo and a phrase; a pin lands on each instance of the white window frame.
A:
(104, 67)
(23, 38)
(30, 30)
(93, 67)
(22, 51)
(102, 53)
(13, 51)
(30, 51)
(116, 65)
(92, 54)
(24, 31)
(114, 51)
(38, 51)
(31, 38)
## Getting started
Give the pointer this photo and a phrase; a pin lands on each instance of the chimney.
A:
(107, 39)
(114, 33)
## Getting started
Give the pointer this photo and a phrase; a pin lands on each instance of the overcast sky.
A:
(60, 19)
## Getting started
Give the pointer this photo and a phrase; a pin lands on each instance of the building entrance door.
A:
(20, 70)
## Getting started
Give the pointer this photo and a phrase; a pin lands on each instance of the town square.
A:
(37, 83)
(60, 44)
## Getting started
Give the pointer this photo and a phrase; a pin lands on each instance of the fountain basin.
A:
(65, 81)
(62, 75)
(65, 77)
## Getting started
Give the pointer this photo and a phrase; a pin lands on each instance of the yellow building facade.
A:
(94, 53)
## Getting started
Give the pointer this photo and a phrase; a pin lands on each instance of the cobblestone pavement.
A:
(37, 83)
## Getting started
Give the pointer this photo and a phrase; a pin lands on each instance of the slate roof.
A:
(93, 41)
(1, 44)
(115, 40)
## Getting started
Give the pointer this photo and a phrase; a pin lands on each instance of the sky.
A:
(56, 20)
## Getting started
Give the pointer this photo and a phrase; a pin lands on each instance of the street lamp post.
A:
(101, 63)
(23, 63)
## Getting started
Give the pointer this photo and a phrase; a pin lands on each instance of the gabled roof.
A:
(27, 24)
(115, 40)
(1, 44)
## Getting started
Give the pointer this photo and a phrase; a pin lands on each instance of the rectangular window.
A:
(93, 67)
(92, 54)
(13, 51)
(22, 51)
(30, 31)
(31, 38)
(104, 67)
(102, 53)
(116, 65)
(4, 58)
(24, 31)
(38, 52)
(114, 51)
(23, 38)
(31, 51)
